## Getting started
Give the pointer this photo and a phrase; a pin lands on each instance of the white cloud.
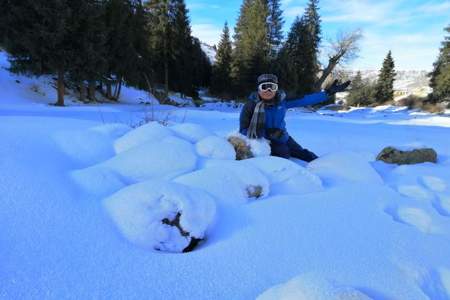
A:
(207, 33)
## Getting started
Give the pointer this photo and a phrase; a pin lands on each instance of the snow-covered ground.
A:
(83, 191)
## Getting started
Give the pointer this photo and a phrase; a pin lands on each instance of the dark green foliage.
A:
(252, 48)
(440, 76)
(221, 76)
(384, 90)
(275, 27)
(361, 92)
(175, 52)
(298, 63)
(38, 38)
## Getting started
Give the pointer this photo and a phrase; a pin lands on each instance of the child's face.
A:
(267, 95)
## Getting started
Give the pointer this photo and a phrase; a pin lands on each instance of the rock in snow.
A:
(392, 155)
(162, 215)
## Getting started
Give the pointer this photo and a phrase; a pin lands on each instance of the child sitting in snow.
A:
(263, 116)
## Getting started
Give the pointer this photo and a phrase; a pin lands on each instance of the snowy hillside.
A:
(210, 52)
(97, 201)
(407, 82)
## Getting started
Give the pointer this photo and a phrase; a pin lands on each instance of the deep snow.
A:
(343, 225)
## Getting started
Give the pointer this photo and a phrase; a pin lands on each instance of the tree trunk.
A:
(109, 90)
(119, 89)
(91, 90)
(61, 89)
(83, 91)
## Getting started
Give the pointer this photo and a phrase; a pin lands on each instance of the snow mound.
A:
(345, 167)
(191, 132)
(112, 130)
(216, 148)
(145, 214)
(150, 132)
(98, 180)
(311, 287)
(164, 159)
(231, 182)
(86, 147)
(287, 177)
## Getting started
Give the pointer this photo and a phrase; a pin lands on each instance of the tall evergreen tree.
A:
(222, 69)
(275, 26)
(252, 48)
(385, 85)
(440, 76)
(298, 62)
(88, 42)
(38, 38)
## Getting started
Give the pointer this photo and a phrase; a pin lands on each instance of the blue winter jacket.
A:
(275, 114)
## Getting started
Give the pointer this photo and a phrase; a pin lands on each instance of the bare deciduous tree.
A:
(342, 50)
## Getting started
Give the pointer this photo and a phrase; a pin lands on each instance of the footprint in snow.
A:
(434, 184)
(412, 216)
(442, 205)
(436, 284)
(415, 191)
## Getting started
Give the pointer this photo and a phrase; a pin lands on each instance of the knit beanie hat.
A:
(267, 78)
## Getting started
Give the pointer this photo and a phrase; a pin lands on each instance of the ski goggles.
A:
(265, 86)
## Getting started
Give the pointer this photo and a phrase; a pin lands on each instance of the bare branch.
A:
(344, 49)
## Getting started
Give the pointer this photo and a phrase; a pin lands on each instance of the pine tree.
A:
(220, 84)
(361, 91)
(88, 43)
(38, 39)
(252, 48)
(275, 27)
(385, 84)
(298, 62)
(440, 76)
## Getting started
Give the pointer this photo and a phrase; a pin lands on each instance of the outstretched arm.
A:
(310, 99)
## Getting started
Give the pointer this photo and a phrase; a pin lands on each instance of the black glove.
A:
(274, 133)
(336, 87)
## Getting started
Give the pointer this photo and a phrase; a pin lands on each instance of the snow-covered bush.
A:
(216, 148)
(150, 132)
(90, 146)
(190, 132)
(231, 182)
(163, 159)
(162, 215)
(247, 148)
(287, 177)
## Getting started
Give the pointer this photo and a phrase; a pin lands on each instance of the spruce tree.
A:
(298, 63)
(88, 43)
(385, 85)
(440, 76)
(252, 48)
(275, 26)
(38, 39)
(221, 77)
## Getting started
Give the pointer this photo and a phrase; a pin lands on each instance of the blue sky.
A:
(412, 29)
